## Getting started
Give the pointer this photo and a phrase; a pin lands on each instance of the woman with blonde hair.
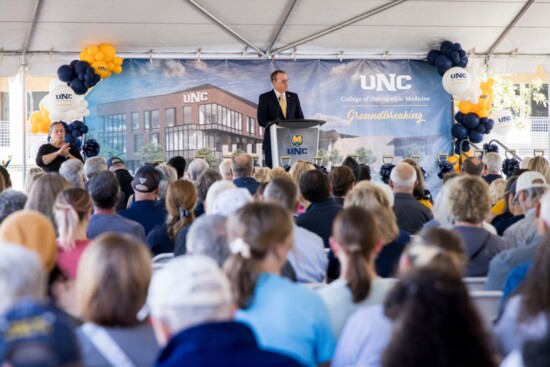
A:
(44, 192)
(111, 288)
(262, 174)
(539, 164)
(285, 317)
(72, 210)
(181, 198)
(355, 241)
(373, 198)
(31, 177)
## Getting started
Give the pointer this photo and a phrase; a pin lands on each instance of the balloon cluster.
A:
(90, 148)
(40, 120)
(76, 129)
(385, 172)
(449, 55)
(102, 59)
(509, 166)
(79, 76)
(444, 167)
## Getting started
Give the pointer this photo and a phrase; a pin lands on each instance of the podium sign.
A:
(297, 139)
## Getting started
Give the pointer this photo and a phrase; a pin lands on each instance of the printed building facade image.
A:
(201, 117)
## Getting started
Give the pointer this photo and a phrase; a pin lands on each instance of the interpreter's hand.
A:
(64, 150)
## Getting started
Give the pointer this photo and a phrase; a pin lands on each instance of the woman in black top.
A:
(50, 156)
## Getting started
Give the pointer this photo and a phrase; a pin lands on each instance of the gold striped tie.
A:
(282, 103)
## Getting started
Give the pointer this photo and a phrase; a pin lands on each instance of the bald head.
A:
(403, 178)
(242, 166)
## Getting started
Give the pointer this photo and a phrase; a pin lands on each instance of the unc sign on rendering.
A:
(383, 82)
(195, 97)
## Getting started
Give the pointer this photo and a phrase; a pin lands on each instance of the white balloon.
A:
(86, 113)
(456, 81)
(55, 83)
(62, 98)
(504, 122)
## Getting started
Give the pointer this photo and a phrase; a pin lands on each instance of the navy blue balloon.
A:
(487, 130)
(471, 121)
(88, 77)
(463, 62)
(475, 136)
(480, 128)
(443, 63)
(78, 87)
(459, 117)
(490, 124)
(457, 47)
(483, 120)
(90, 70)
(81, 76)
(69, 138)
(446, 46)
(81, 67)
(432, 55)
(84, 129)
(465, 146)
(65, 73)
(455, 57)
(97, 78)
(78, 143)
(76, 133)
(88, 84)
(462, 53)
(77, 124)
(459, 131)
(73, 63)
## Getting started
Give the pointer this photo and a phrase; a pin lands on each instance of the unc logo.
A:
(383, 82)
(297, 140)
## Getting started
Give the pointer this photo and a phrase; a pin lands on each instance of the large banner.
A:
(372, 108)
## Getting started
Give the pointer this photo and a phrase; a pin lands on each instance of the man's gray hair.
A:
(204, 181)
(493, 161)
(22, 275)
(73, 171)
(10, 202)
(196, 167)
(208, 236)
(242, 165)
(403, 176)
(93, 166)
(225, 169)
(169, 175)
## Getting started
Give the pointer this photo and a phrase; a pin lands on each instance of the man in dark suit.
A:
(277, 104)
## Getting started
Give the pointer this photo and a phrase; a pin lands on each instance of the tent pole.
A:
(225, 26)
(281, 26)
(23, 79)
(510, 26)
(340, 25)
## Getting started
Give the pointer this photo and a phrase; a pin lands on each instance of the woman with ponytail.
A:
(181, 197)
(356, 241)
(284, 316)
(72, 210)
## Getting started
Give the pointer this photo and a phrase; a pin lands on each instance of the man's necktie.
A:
(282, 103)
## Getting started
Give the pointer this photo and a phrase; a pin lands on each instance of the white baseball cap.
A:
(191, 280)
(530, 179)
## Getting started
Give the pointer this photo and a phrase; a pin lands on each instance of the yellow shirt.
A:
(498, 208)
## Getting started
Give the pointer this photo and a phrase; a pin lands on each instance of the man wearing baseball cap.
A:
(116, 165)
(144, 210)
(192, 313)
(530, 186)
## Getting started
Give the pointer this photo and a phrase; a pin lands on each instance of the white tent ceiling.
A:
(513, 33)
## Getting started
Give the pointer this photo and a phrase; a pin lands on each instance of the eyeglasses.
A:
(284, 81)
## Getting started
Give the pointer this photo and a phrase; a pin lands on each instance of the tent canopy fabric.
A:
(511, 34)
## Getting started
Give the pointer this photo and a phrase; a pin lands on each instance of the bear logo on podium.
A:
(297, 140)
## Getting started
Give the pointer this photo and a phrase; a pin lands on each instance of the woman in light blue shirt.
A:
(284, 316)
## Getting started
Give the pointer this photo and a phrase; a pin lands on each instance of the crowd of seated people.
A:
(237, 265)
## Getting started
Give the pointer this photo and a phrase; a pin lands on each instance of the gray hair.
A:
(22, 275)
(242, 165)
(169, 175)
(532, 197)
(73, 171)
(492, 161)
(196, 167)
(204, 181)
(10, 202)
(93, 166)
(225, 169)
(403, 176)
(208, 236)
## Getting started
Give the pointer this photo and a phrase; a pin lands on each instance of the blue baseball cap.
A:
(34, 334)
